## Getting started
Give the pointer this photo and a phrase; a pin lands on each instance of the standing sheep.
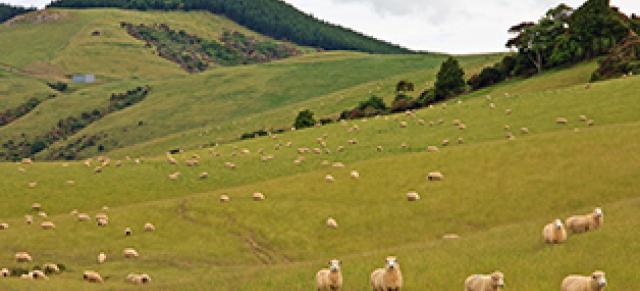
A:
(149, 227)
(584, 223)
(4, 226)
(28, 219)
(330, 279)
(435, 176)
(258, 196)
(130, 253)
(224, 198)
(93, 277)
(596, 282)
(128, 231)
(413, 196)
(83, 217)
(102, 257)
(554, 232)
(329, 179)
(388, 278)
(355, 175)
(4, 273)
(332, 223)
(561, 120)
(48, 225)
(491, 282)
(138, 279)
(23, 257)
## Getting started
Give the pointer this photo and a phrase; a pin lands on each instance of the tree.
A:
(404, 86)
(305, 119)
(450, 79)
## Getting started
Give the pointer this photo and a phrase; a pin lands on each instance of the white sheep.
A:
(329, 179)
(128, 231)
(330, 279)
(51, 268)
(432, 149)
(491, 282)
(42, 214)
(224, 198)
(83, 217)
(460, 140)
(561, 120)
(355, 175)
(4, 273)
(596, 282)
(435, 176)
(413, 196)
(203, 175)
(47, 225)
(23, 257)
(331, 223)
(36, 206)
(388, 278)
(174, 176)
(524, 130)
(584, 223)
(445, 142)
(149, 227)
(379, 148)
(38, 275)
(138, 279)
(4, 226)
(102, 257)
(92, 276)
(554, 233)
(258, 196)
(103, 221)
(451, 236)
(130, 253)
(28, 219)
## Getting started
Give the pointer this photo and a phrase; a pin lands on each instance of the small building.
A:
(84, 78)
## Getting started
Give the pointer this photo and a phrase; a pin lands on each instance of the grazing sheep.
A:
(4, 226)
(596, 282)
(583, 118)
(338, 165)
(509, 136)
(445, 142)
(352, 141)
(74, 212)
(257, 196)
(403, 124)
(451, 236)
(404, 145)
(224, 198)
(26, 276)
(92, 277)
(103, 221)
(524, 130)
(507, 112)
(174, 176)
(38, 275)
(130, 253)
(421, 122)
(435, 176)
(128, 231)
(591, 122)
(70, 182)
(26, 161)
(330, 279)
(506, 127)
(462, 126)
(379, 148)
(23, 257)
(192, 162)
(554, 233)
(203, 175)
(413, 196)
(388, 278)
(138, 279)
(171, 160)
(230, 165)
(36, 206)
(329, 179)
(355, 175)
(460, 140)
(42, 214)
(4, 273)
(492, 105)
(584, 223)
(83, 217)
(48, 225)
(28, 219)
(50, 268)
(432, 149)
(102, 257)
(491, 282)
(332, 223)
(456, 122)
(340, 149)
(561, 120)
(149, 227)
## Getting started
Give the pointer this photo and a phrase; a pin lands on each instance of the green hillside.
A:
(497, 194)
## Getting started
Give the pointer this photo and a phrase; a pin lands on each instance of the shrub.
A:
(304, 119)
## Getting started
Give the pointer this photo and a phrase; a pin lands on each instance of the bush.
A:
(304, 119)
(487, 77)
(58, 86)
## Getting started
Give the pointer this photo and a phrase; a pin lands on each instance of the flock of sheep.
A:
(387, 278)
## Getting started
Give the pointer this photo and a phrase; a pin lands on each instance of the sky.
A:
(452, 26)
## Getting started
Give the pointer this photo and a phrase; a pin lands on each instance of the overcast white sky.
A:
(453, 26)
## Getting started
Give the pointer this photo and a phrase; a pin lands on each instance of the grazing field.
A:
(496, 194)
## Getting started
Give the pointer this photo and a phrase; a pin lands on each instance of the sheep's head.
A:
(392, 263)
(334, 265)
(144, 279)
(498, 279)
(598, 212)
(599, 278)
(558, 224)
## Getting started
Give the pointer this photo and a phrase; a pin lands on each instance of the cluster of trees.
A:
(194, 54)
(12, 114)
(623, 60)
(66, 127)
(563, 36)
(8, 11)
(274, 18)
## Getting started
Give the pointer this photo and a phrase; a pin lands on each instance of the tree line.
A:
(8, 11)
(274, 18)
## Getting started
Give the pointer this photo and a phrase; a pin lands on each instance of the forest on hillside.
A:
(274, 18)
(7, 11)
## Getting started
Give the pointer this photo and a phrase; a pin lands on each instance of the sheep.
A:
(338, 165)
(103, 221)
(435, 176)
(192, 162)
(36, 206)
(491, 282)
(413, 196)
(130, 253)
(70, 182)
(596, 282)
(92, 277)
(171, 160)
(23, 257)
(230, 165)
(451, 236)
(50, 268)
(456, 122)
(42, 214)
(332, 223)
(4, 273)
(524, 130)
(26, 161)
(445, 142)
(379, 148)
(329, 179)
(421, 122)
(403, 124)
(26, 276)
(224, 198)
(74, 212)
(404, 145)
(325, 163)
(28, 219)
(583, 118)
(554, 233)
(561, 120)
(257, 196)
(4, 226)
(355, 175)
(460, 140)
(102, 257)
(48, 225)
(203, 175)
(508, 112)
(584, 223)
(340, 149)
(492, 105)
(432, 149)
(83, 217)
(352, 141)
(509, 136)
(38, 275)
(591, 122)
(506, 127)
(388, 278)
(174, 176)
(22, 170)
(138, 279)
(149, 227)
(330, 279)
(128, 231)
(462, 126)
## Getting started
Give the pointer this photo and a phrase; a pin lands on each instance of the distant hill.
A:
(273, 18)
(7, 11)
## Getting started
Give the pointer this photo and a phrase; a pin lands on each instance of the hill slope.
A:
(497, 194)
